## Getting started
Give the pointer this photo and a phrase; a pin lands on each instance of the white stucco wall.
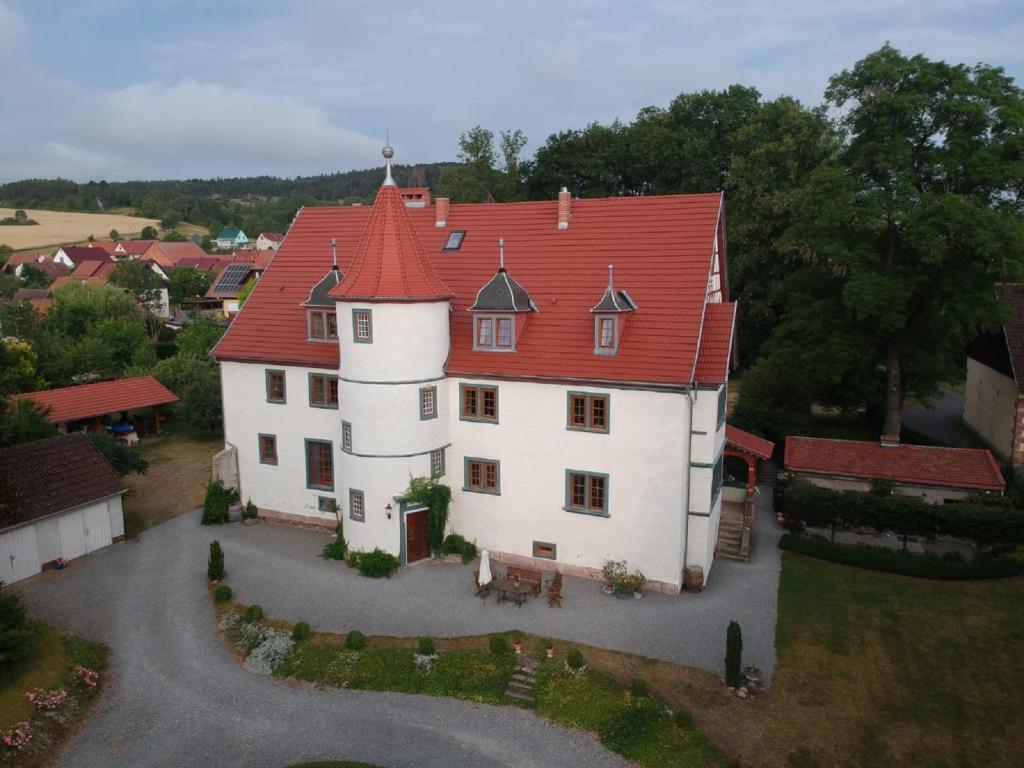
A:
(933, 494)
(645, 454)
(280, 487)
(990, 406)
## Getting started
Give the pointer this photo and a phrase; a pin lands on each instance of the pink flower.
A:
(18, 736)
(89, 677)
(47, 699)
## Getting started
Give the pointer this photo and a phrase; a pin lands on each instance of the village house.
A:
(546, 359)
(73, 255)
(231, 237)
(167, 255)
(269, 241)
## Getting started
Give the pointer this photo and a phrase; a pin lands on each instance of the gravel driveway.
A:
(176, 697)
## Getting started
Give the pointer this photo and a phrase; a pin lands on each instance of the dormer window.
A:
(609, 314)
(455, 238)
(322, 325)
(494, 333)
(606, 334)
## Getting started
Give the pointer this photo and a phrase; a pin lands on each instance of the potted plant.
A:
(550, 650)
(61, 563)
(612, 573)
(517, 644)
(638, 580)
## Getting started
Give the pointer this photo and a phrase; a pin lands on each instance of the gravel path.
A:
(279, 567)
(176, 697)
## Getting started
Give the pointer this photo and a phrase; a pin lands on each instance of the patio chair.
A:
(482, 590)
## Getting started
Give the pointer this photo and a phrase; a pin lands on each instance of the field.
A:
(62, 228)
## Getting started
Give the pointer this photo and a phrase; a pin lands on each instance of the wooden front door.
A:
(417, 543)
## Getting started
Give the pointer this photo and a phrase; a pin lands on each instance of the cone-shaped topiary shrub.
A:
(215, 564)
(733, 655)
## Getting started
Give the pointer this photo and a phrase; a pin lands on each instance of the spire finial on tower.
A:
(611, 268)
(388, 153)
(501, 253)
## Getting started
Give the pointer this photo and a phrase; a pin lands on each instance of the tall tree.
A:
(921, 211)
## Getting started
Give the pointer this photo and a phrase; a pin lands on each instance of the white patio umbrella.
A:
(485, 568)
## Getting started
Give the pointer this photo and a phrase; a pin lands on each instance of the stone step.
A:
(732, 556)
(516, 685)
(526, 698)
(520, 677)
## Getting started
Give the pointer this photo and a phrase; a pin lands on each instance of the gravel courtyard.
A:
(176, 697)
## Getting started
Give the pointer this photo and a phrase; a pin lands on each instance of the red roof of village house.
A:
(79, 253)
(168, 254)
(274, 237)
(661, 247)
(87, 269)
(919, 464)
(390, 263)
(748, 442)
(103, 245)
(134, 247)
(716, 343)
(88, 400)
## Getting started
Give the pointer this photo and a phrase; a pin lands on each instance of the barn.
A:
(59, 498)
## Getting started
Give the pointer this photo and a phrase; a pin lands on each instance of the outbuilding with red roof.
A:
(934, 473)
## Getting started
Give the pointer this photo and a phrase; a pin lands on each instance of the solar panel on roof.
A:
(231, 278)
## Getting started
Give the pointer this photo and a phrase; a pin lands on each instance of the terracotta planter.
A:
(518, 645)
(550, 652)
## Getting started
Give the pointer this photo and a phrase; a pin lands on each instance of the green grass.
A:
(918, 673)
(640, 728)
(474, 674)
(42, 669)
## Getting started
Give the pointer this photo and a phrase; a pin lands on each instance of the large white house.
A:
(561, 364)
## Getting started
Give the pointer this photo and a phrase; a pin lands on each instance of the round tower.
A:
(393, 332)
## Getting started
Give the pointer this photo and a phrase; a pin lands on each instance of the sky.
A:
(122, 89)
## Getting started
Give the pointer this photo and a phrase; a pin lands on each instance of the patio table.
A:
(507, 587)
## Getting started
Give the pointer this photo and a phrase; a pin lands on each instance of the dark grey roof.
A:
(503, 294)
(614, 301)
(52, 475)
(318, 296)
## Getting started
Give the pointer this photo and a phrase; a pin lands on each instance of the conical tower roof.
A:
(390, 263)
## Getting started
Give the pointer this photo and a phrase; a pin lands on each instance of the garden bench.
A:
(529, 575)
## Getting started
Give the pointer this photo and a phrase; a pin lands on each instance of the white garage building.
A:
(58, 498)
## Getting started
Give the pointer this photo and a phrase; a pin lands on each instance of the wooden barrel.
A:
(693, 581)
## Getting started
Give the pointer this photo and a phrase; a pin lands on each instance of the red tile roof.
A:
(88, 400)
(134, 247)
(716, 343)
(919, 464)
(275, 237)
(204, 263)
(390, 263)
(87, 269)
(78, 254)
(661, 247)
(103, 245)
(167, 254)
(747, 442)
(44, 477)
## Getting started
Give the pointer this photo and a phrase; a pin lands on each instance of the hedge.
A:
(902, 563)
(984, 524)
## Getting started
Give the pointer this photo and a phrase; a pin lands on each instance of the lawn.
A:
(179, 469)
(43, 669)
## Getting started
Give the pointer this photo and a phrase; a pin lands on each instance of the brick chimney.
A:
(564, 208)
(441, 209)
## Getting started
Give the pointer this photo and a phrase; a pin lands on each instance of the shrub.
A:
(427, 646)
(733, 655)
(902, 563)
(454, 544)
(614, 571)
(355, 640)
(335, 550)
(639, 689)
(222, 593)
(377, 564)
(15, 637)
(352, 558)
(498, 645)
(575, 659)
(267, 657)
(215, 563)
(301, 632)
(253, 613)
(633, 726)
(215, 505)
(683, 720)
(250, 510)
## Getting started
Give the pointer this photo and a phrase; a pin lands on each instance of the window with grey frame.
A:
(716, 478)
(356, 505)
(482, 476)
(588, 412)
(606, 334)
(437, 468)
(478, 403)
(362, 326)
(346, 436)
(276, 392)
(586, 492)
(494, 333)
(322, 325)
(723, 400)
(428, 403)
(323, 391)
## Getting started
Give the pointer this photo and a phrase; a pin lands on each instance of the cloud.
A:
(12, 29)
(191, 120)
